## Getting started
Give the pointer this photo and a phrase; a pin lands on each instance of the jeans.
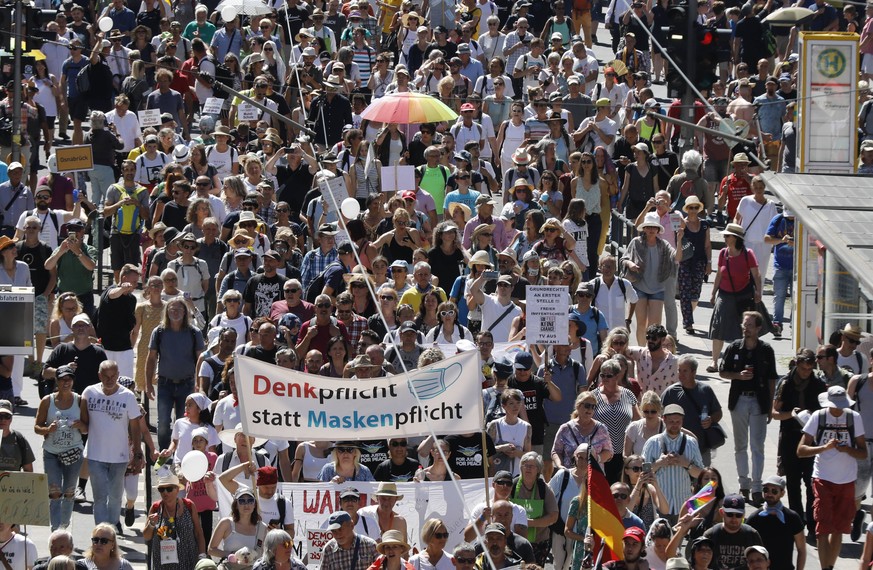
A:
(781, 284)
(102, 177)
(62, 481)
(749, 424)
(107, 486)
(171, 396)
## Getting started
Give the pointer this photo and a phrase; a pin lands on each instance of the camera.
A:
(491, 275)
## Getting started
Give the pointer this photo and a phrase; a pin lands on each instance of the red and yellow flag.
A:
(603, 517)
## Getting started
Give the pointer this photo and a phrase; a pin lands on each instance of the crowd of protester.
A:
(221, 244)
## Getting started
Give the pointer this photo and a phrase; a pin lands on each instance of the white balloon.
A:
(350, 208)
(228, 13)
(105, 24)
(195, 464)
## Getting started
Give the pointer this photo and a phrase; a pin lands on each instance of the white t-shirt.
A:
(492, 310)
(528, 61)
(182, 429)
(270, 509)
(607, 125)
(851, 362)
(18, 550)
(519, 515)
(127, 127)
(222, 161)
(421, 562)
(832, 465)
(202, 91)
(612, 303)
(226, 414)
(109, 416)
(580, 234)
(48, 230)
(756, 218)
(148, 171)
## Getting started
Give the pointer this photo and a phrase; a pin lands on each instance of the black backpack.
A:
(222, 75)
(317, 286)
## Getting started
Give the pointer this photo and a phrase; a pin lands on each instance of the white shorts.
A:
(867, 64)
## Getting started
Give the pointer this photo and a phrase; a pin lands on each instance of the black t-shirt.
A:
(449, 50)
(730, 547)
(779, 536)
(293, 186)
(749, 31)
(373, 452)
(35, 258)
(87, 363)
(535, 391)
(447, 268)
(466, 459)
(262, 354)
(390, 471)
(174, 216)
(262, 291)
(116, 320)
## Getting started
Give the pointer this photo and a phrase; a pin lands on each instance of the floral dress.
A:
(179, 527)
(580, 512)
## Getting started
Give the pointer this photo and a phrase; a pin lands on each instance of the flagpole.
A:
(599, 555)
(485, 469)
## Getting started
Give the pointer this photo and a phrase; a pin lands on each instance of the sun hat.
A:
(835, 397)
(392, 537)
(239, 240)
(691, 201)
(463, 207)
(741, 157)
(81, 318)
(168, 480)
(481, 257)
(521, 157)
(652, 220)
(387, 489)
(852, 331)
(735, 230)
(228, 437)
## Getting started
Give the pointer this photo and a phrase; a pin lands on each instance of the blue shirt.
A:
(224, 42)
(783, 253)
(169, 102)
(455, 196)
(123, 20)
(71, 70)
(770, 112)
(594, 321)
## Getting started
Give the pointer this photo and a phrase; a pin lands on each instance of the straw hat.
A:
(392, 537)
(520, 157)
(241, 239)
(852, 331)
(735, 230)
(221, 130)
(463, 207)
(405, 18)
(168, 480)
(692, 201)
(481, 257)
(387, 489)
(482, 228)
(741, 157)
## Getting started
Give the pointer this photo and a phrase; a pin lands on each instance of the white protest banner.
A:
(398, 178)
(548, 321)
(334, 192)
(314, 502)
(247, 112)
(213, 106)
(24, 498)
(275, 401)
(149, 118)
(508, 349)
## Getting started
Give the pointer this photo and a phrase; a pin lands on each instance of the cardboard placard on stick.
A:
(149, 118)
(398, 178)
(24, 498)
(334, 192)
(79, 158)
(246, 112)
(213, 106)
(547, 319)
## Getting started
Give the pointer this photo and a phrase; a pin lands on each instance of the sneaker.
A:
(118, 528)
(745, 494)
(777, 330)
(857, 525)
(20, 402)
(129, 516)
(79, 496)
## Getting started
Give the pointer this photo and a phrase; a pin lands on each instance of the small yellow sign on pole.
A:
(77, 158)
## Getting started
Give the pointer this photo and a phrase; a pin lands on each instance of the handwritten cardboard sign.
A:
(24, 498)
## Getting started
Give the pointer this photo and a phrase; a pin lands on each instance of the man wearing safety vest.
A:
(128, 204)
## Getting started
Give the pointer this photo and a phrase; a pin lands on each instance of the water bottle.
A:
(75, 195)
(61, 421)
(704, 413)
(161, 461)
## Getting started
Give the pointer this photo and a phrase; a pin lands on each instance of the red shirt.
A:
(735, 271)
(736, 187)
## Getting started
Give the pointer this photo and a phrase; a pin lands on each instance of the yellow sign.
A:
(77, 158)
(24, 498)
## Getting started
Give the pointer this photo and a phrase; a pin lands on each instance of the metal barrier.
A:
(621, 232)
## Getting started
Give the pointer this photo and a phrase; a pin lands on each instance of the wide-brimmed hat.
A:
(405, 18)
(483, 228)
(691, 201)
(522, 183)
(735, 230)
(227, 437)
(391, 538)
(741, 157)
(551, 223)
(387, 489)
(221, 130)
(652, 220)
(344, 443)
(238, 238)
(835, 397)
(169, 480)
(303, 33)
(481, 257)
(463, 207)
(333, 82)
(6, 242)
(521, 157)
(852, 331)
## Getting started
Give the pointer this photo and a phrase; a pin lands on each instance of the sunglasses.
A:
(246, 501)
(635, 468)
(460, 560)
(551, 230)
(620, 496)
(232, 301)
(292, 290)
(282, 210)
(584, 295)
(204, 183)
(189, 247)
(447, 313)
(440, 535)
(734, 515)
(167, 489)
(5, 417)
(650, 412)
(588, 405)
(323, 305)
(486, 234)
(100, 540)
(853, 341)
(358, 286)
(605, 375)
(387, 298)
(345, 449)
(398, 444)
(504, 483)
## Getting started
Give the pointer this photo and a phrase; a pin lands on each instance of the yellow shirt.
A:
(389, 8)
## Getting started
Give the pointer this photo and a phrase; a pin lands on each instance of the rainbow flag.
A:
(702, 498)
(603, 517)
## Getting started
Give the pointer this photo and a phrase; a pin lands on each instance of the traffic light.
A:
(34, 20)
(706, 60)
(677, 15)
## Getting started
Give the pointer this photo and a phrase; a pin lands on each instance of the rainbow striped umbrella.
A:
(408, 108)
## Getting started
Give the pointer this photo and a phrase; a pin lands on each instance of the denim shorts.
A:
(659, 296)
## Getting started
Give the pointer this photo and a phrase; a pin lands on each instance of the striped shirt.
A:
(674, 480)
(365, 57)
(617, 415)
